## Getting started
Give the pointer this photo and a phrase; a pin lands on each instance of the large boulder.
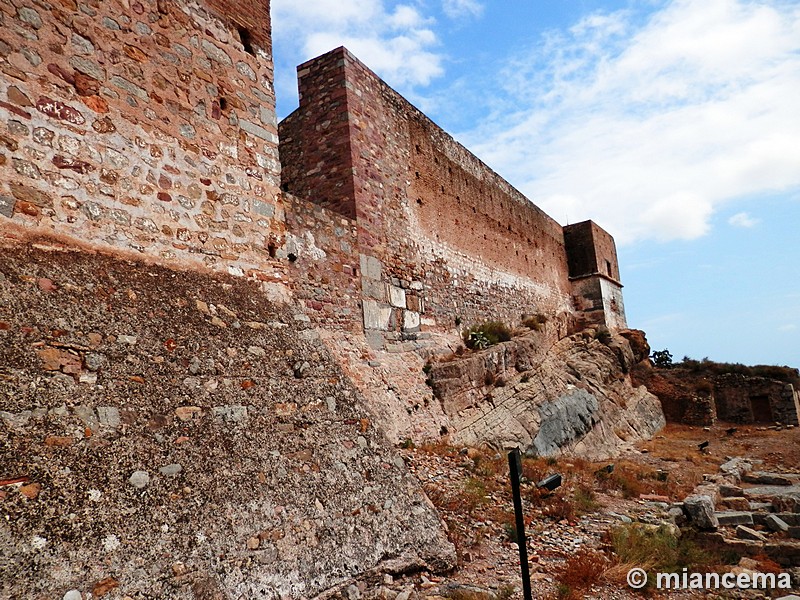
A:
(700, 509)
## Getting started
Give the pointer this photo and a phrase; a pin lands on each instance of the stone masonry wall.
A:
(173, 434)
(146, 126)
(743, 399)
(594, 272)
(321, 252)
(422, 204)
(315, 149)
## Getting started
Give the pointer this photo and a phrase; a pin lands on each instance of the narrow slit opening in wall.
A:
(608, 268)
(223, 103)
(247, 40)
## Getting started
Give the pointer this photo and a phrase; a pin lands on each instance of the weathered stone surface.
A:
(733, 517)
(700, 509)
(783, 498)
(735, 468)
(746, 533)
(565, 420)
(734, 503)
(58, 110)
(7, 206)
(29, 194)
(764, 478)
(164, 464)
(727, 490)
(543, 403)
(775, 523)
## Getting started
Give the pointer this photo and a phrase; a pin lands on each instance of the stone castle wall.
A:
(442, 239)
(146, 126)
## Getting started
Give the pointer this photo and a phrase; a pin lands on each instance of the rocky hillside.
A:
(575, 396)
(174, 434)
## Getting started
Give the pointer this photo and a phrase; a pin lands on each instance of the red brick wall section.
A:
(145, 126)
(315, 141)
(250, 18)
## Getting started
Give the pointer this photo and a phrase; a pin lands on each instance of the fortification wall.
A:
(176, 434)
(443, 239)
(321, 254)
(594, 272)
(146, 126)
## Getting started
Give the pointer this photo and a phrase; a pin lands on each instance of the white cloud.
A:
(789, 327)
(396, 42)
(462, 8)
(650, 127)
(742, 219)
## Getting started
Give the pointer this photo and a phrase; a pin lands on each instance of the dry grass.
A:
(580, 572)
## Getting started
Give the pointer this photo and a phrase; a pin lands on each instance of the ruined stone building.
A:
(213, 327)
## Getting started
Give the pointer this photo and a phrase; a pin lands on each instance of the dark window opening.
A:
(292, 257)
(608, 268)
(272, 248)
(247, 40)
(223, 103)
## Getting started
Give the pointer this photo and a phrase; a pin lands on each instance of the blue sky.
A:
(673, 124)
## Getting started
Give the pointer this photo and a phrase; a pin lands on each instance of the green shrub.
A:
(486, 334)
(662, 359)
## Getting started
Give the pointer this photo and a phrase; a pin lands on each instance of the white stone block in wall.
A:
(375, 315)
(410, 320)
(397, 296)
(370, 267)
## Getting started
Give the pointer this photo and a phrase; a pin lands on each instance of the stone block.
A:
(735, 503)
(775, 523)
(764, 478)
(410, 321)
(370, 267)
(7, 206)
(733, 517)
(700, 509)
(397, 296)
(727, 491)
(376, 316)
(373, 288)
(735, 468)
(746, 533)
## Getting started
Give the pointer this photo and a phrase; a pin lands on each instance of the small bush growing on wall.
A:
(486, 334)
(603, 335)
(535, 322)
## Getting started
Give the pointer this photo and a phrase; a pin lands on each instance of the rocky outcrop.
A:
(574, 396)
(174, 434)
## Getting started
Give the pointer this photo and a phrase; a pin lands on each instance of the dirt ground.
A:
(570, 528)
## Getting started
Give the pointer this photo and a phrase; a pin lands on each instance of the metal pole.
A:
(515, 471)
